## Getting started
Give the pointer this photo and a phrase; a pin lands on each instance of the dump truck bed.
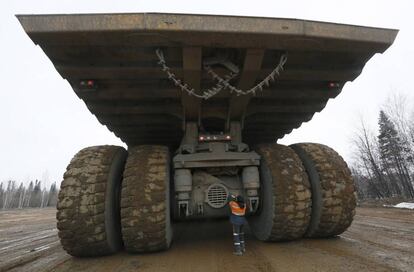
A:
(136, 100)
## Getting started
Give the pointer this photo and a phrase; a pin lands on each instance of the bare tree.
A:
(367, 161)
(33, 196)
(22, 195)
(18, 196)
(28, 195)
(383, 165)
(399, 108)
(393, 152)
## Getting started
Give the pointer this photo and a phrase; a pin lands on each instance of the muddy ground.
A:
(380, 239)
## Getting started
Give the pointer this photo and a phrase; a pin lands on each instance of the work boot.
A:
(238, 251)
(242, 244)
(242, 247)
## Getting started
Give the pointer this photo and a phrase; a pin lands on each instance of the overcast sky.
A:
(43, 124)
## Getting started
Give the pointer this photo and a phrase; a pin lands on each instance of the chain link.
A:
(259, 87)
(222, 83)
(206, 94)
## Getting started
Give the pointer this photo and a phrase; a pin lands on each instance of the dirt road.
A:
(380, 239)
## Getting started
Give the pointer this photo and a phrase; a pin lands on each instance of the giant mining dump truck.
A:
(200, 101)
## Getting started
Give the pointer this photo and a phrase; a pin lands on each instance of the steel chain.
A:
(260, 86)
(222, 83)
(206, 94)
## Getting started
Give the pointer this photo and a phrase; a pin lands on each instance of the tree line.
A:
(34, 196)
(383, 164)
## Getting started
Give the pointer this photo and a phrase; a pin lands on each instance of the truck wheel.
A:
(145, 200)
(88, 217)
(333, 190)
(285, 204)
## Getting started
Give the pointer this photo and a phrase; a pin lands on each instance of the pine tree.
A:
(36, 198)
(52, 198)
(392, 150)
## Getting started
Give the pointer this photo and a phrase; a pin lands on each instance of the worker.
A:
(238, 210)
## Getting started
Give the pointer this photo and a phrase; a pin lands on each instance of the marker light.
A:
(88, 84)
(333, 85)
(214, 138)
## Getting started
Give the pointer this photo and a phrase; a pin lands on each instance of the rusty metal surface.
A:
(136, 101)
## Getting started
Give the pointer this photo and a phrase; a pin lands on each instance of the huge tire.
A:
(88, 217)
(285, 208)
(145, 200)
(333, 190)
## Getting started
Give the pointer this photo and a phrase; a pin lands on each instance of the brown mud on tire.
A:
(285, 195)
(88, 207)
(333, 190)
(145, 209)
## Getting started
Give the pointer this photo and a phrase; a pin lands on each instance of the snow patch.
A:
(405, 205)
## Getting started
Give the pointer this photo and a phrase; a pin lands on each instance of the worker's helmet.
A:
(232, 197)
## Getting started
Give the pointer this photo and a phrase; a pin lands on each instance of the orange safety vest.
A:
(236, 210)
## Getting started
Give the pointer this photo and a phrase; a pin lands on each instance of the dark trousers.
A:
(238, 237)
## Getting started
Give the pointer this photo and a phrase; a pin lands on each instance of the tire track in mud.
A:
(387, 241)
(391, 226)
(30, 234)
(346, 249)
(16, 243)
(206, 246)
(27, 256)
